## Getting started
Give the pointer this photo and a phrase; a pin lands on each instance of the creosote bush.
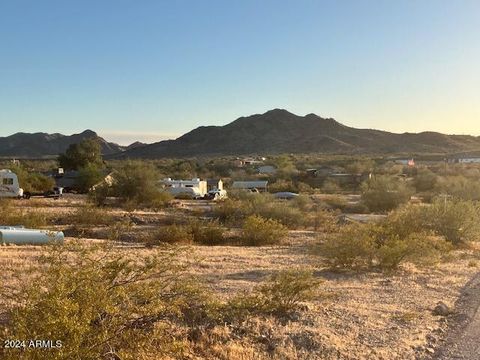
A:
(383, 193)
(365, 246)
(196, 231)
(243, 205)
(136, 184)
(170, 234)
(207, 232)
(102, 302)
(280, 295)
(258, 231)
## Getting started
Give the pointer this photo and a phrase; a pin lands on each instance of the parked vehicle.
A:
(216, 194)
(285, 195)
(55, 193)
(9, 186)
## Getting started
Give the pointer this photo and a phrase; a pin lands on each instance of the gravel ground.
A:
(463, 339)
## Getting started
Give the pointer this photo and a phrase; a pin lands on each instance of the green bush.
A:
(352, 247)
(170, 234)
(459, 187)
(425, 180)
(280, 295)
(207, 232)
(288, 213)
(365, 246)
(136, 184)
(32, 182)
(383, 193)
(98, 302)
(89, 176)
(454, 220)
(258, 231)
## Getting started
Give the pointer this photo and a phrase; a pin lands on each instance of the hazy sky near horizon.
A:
(154, 69)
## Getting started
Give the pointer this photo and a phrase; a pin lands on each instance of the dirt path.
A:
(463, 340)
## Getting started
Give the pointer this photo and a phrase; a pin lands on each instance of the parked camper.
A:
(194, 188)
(9, 186)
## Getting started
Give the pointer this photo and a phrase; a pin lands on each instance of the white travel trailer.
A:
(194, 188)
(9, 186)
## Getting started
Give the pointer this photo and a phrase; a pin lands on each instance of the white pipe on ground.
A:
(21, 236)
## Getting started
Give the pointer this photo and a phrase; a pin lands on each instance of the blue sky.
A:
(152, 69)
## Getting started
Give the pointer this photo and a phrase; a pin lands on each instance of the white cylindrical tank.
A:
(21, 236)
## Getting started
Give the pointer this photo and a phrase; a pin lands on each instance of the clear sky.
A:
(150, 69)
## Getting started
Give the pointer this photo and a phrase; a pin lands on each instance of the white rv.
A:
(9, 186)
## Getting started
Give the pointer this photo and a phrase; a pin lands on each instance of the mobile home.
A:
(9, 186)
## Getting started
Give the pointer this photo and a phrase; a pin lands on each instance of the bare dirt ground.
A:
(365, 315)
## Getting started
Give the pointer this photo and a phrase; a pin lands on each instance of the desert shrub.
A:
(258, 231)
(356, 208)
(459, 187)
(324, 220)
(170, 234)
(235, 211)
(282, 185)
(351, 247)
(136, 184)
(419, 248)
(32, 182)
(455, 220)
(283, 213)
(99, 195)
(336, 202)
(425, 180)
(330, 186)
(383, 193)
(365, 246)
(304, 188)
(89, 215)
(89, 176)
(280, 295)
(207, 232)
(301, 202)
(102, 304)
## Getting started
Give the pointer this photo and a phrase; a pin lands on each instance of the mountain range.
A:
(279, 131)
(42, 145)
(276, 131)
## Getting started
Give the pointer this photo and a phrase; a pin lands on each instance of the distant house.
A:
(214, 184)
(260, 185)
(267, 169)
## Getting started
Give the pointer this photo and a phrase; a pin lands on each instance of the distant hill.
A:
(279, 131)
(40, 145)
